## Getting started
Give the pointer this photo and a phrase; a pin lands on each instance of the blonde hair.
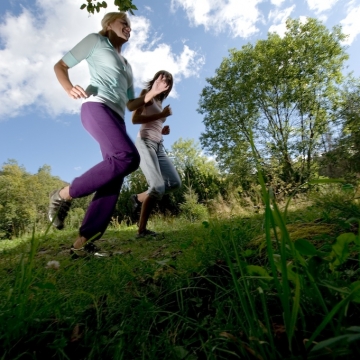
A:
(111, 17)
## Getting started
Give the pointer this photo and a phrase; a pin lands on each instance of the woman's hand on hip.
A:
(165, 130)
(77, 92)
(166, 111)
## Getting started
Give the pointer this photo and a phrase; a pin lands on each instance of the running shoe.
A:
(89, 249)
(135, 207)
(58, 209)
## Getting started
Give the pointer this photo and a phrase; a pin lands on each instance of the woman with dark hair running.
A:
(102, 114)
(158, 169)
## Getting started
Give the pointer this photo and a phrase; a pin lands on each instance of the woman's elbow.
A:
(130, 105)
(56, 66)
(135, 120)
(60, 66)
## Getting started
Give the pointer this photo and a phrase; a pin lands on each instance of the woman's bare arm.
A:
(158, 87)
(138, 118)
(62, 74)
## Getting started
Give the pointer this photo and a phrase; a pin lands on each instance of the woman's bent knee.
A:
(135, 161)
(173, 185)
(157, 192)
(127, 163)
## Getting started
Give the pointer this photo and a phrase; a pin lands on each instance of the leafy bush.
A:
(191, 210)
(337, 200)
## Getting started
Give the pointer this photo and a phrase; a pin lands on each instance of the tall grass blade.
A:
(343, 303)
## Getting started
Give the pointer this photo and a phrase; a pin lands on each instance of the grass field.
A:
(270, 285)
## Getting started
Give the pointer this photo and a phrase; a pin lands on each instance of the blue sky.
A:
(39, 123)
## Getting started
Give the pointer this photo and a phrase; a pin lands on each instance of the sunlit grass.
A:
(11, 244)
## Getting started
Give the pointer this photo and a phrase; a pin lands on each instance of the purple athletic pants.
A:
(104, 179)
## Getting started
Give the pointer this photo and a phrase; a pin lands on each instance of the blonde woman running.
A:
(109, 93)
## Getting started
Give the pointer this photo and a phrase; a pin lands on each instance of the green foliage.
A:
(24, 198)
(281, 90)
(190, 209)
(186, 153)
(75, 217)
(196, 170)
(342, 154)
(206, 185)
(337, 202)
(197, 292)
(135, 183)
(123, 5)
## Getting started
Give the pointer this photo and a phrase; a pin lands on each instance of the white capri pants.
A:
(158, 169)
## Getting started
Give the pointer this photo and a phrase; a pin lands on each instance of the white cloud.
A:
(279, 18)
(33, 41)
(158, 56)
(238, 17)
(321, 5)
(281, 15)
(351, 24)
(277, 2)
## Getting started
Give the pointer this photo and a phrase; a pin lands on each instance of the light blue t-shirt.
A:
(111, 82)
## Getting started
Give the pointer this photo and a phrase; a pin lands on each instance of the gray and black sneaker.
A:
(58, 209)
(89, 249)
(135, 206)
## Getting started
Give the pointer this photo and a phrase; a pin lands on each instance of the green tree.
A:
(135, 183)
(341, 157)
(16, 210)
(188, 153)
(350, 139)
(196, 169)
(190, 209)
(24, 198)
(93, 5)
(39, 187)
(279, 93)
